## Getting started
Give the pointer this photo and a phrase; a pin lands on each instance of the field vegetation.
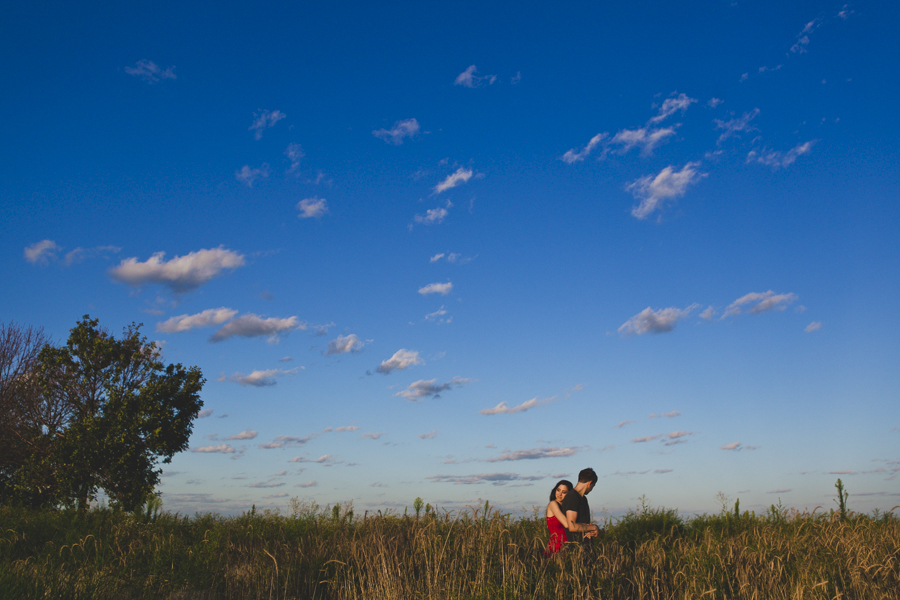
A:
(477, 553)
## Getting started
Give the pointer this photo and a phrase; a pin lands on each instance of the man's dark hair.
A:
(587, 475)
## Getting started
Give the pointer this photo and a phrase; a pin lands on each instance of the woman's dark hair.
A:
(564, 482)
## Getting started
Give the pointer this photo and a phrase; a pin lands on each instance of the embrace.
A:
(569, 514)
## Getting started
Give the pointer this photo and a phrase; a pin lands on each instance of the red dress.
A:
(557, 535)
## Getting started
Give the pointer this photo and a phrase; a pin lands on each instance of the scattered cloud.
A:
(436, 257)
(714, 102)
(432, 216)
(287, 441)
(646, 438)
(655, 321)
(782, 491)
(643, 138)
(180, 274)
(401, 360)
(503, 409)
(247, 434)
(436, 288)
(624, 423)
(345, 343)
(667, 415)
(675, 437)
(150, 72)
(573, 156)
(429, 388)
(777, 159)
(428, 436)
(438, 316)
(266, 484)
(735, 126)
(248, 174)
(815, 325)
(325, 459)
(314, 207)
(492, 478)
(206, 412)
(220, 449)
(263, 120)
(372, 436)
(737, 447)
(516, 78)
(672, 105)
(308, 484)
(407, 128)
(760, 302)
(251, 325)
(460, 176)
(210, 316)
(708, 313)
(294, 153)
(669, 184)
(259, 378)
(534, 454)
(42, 252)
(81, 254)
(469, 79)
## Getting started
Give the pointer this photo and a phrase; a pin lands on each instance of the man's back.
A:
(578, 504)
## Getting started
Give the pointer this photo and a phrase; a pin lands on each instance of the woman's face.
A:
(561, 492)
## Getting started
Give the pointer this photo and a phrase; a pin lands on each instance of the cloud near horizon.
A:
(259, 378)
(181, 274)
(534, 454)
(504, 409)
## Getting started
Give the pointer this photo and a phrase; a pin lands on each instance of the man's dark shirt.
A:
(578, 503)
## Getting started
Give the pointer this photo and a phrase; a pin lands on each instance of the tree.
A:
(117, 411)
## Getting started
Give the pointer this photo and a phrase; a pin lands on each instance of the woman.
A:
(556, 520)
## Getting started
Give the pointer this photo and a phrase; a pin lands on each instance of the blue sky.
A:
(460, 252)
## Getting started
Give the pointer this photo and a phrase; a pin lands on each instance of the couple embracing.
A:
(569, 514)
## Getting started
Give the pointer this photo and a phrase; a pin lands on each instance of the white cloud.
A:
(428, 436)
(258, 378)
(248, 175)
(492, 478)
(432, 216)
(734, 126)
(813, 326)
(308, 484)
(182, 273)
(516, 78)
(708, 313)
(285, 441)
(294, 153)
(438, 316)
(247, 434)
(503, 409)
(760, 302)
(574, 156)
(624, 423)
(714, 102)
(263, 120)
(401, 360)
(776, 159)
(731, 446)
(372, 436)
(462, 175)
(221, 449)
(206, 412)
(672, 105)
(325, 459)
(668, 184)
(312, 207)
(408, 128)
(150, 72)
(436, 257)
(667, 415)
(210, 316)
(436, 288)
(266, 484)
(251, 325)
(42, 252)
(429, 389)
(643, 138)
(646, 438)
(534, 453)
(345, 343)
(469, 79)
(651, 321)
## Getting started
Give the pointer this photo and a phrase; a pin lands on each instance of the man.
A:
(577, 510)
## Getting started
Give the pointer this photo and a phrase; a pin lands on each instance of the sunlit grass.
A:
(477, 553)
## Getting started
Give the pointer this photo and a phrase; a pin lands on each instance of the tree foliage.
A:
(98, 413)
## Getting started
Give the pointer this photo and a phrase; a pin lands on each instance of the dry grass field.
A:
(472, 554)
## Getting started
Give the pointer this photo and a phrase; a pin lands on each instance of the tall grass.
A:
(477, 553)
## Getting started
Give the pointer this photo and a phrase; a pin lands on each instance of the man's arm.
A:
(571, 515)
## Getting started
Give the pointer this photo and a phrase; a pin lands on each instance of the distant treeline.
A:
(315, 553)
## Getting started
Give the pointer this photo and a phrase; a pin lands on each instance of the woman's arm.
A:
(554, 510)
